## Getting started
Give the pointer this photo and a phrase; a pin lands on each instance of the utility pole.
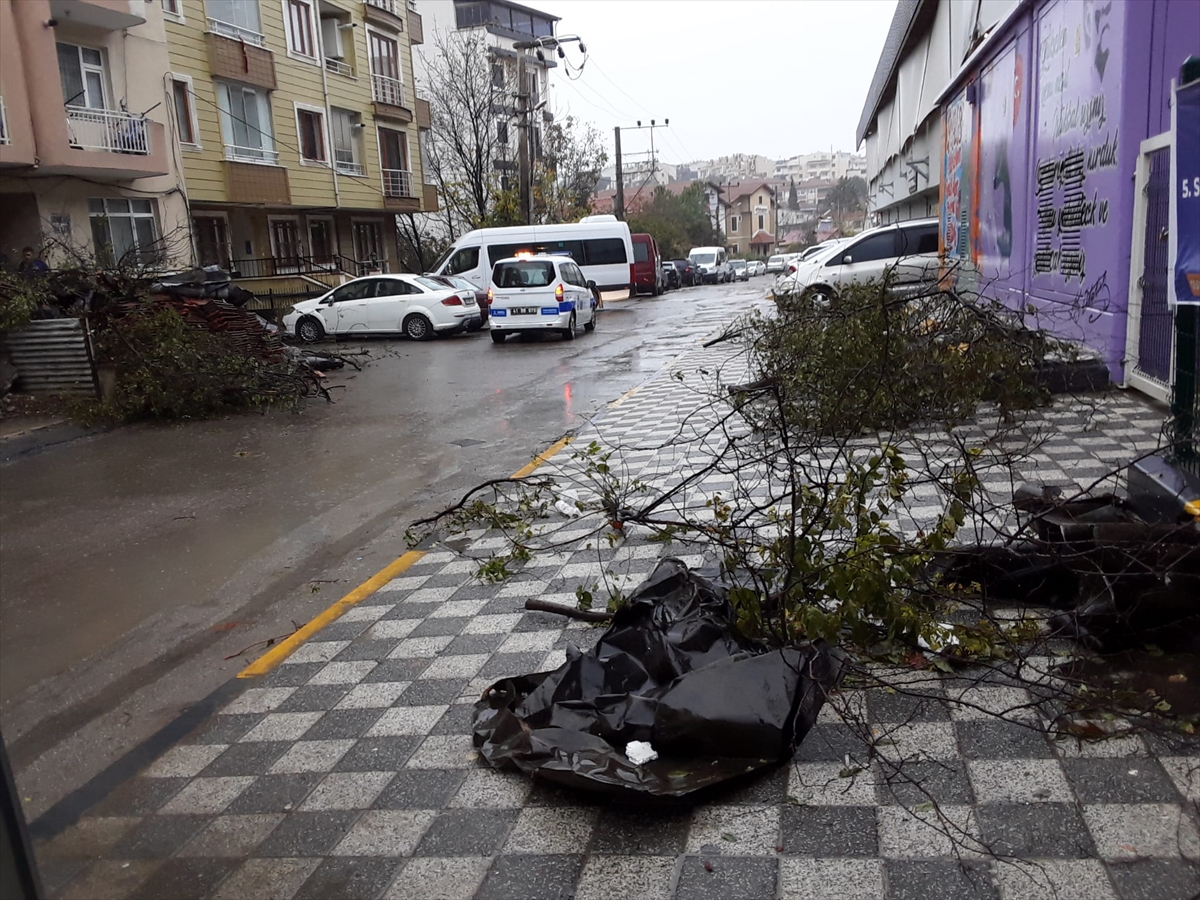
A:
(619, 207)
(523, 155)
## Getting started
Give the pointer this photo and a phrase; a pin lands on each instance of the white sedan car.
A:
(412, 305)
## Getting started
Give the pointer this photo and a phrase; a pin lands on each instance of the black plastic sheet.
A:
(671, 670)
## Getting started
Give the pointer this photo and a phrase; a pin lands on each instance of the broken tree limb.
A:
(584, 615)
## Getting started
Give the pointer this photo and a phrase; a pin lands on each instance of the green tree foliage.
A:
(566, 174)
(848, 195)
(677, 222)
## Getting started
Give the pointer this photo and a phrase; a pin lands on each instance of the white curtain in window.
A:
(242, 13)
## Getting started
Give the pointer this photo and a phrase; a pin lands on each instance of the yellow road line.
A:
(541, 458)
(291, 644)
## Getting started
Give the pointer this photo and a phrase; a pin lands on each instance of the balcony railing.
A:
(237, 32)
(250, 154)
(3, 123)
(397, 183)
(350, 168)
(271, 266)
(339, 67)
(107, 129)
(396, 9)
(387, 90)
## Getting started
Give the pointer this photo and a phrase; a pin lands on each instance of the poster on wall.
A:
(1076, 173)
(956, 182)
(1185, 198)
(1001, 176)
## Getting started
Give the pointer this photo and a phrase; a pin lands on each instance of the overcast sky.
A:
(776, 77)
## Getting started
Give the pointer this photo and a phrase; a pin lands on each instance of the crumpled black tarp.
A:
(672, 670)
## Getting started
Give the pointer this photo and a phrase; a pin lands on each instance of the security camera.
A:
(346, 26)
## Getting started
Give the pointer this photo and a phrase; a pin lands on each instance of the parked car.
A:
(713, 263)
(741, 270)
(756, 267)
(908, 250)
(775, 264)
(540, 293)
(671, 277)
(689, 275)
(647, 265)
(413, 305)
(464, 288)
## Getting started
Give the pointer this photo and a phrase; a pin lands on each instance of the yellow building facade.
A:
(298, 132)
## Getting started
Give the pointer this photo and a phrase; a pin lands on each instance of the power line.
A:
(604, 74)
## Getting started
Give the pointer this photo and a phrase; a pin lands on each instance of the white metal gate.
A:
(1150, 330)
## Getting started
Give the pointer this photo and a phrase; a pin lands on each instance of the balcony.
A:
(387, 90)
(107, 129)
(397, 183)
(339, 68)
(236, 32)
(343, 162)
(251, 154)
(110, 15)
(388, 13)
(391, 6)
(233, 58)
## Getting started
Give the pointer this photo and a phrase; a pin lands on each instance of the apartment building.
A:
(87, 167)
(750, 217)
(830, 166)
(502, 25)
(299, 133)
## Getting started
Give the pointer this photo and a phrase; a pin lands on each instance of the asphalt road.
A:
(135, 561)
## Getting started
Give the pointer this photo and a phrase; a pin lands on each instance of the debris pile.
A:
(671, 672)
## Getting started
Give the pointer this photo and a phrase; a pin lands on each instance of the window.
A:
(298, 16)
(734, 224)
(468, 15)
(320, 241)
(368, 243)
(346, 128)
(84, 82)
(501, 131)
(386, 85)
(641, 252)
(465, 260)
(735, 248)
(604, 252)
(761, 219)
(125, 231)
(497, 75)
(237, 19)
(173, 8)
(393, 149)
(246, 123)
(527, 273)
(542, 27)
(310, 128)
(212, 240)
(877, 246)
(918, 239)
(185, 111)
(363, 289)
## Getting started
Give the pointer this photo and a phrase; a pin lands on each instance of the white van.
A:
(600, 245)
(713, 263)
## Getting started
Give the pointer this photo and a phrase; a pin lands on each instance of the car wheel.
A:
(498, 337)
(310, 330)
(590, 324)
(418, 328)
(655, 291)
(569, 332)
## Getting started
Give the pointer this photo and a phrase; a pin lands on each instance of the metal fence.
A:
(107, 129)
(53, 356)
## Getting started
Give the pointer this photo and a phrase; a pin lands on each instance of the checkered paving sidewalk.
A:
(349, 771)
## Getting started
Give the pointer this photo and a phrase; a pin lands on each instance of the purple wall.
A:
(1062, 106)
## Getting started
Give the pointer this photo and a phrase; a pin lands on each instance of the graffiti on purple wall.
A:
(1002, 175)
(1079, 65)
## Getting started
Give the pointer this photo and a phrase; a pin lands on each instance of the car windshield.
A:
(429, 283)
(739, 264)
(776, 259)
(704, 259)
(530, 273)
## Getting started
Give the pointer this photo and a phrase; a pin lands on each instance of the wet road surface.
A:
(135, 561)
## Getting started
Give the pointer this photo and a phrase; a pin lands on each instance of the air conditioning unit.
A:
(331, 38)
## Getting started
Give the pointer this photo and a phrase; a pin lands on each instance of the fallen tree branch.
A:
(584, 615)
(430, 520)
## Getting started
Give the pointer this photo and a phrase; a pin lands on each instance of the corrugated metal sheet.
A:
(52, 357)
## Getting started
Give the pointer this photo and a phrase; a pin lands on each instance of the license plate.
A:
(524, 310)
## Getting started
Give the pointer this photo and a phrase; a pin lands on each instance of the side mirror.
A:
(847, 259)
(591, 285)
(327, 301)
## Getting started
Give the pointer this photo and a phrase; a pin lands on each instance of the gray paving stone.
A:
(1034, 829)
(535, 877)
(923, 781)
(139, 796)
(231, 836)
(292, 675)
(274, 793)
(347, 790)
(467, 832)
(184, 879)
(1120, 781)
(344, 629)
(432, 692)
(421, 788)
(731, 878)
(884, 706)
(254, 758)
(308, 834)
(349, 879)
(619, 877)
(1155, 879)
(393, 670)
(506, 665)
(385, 832)
(829, 831)
(937, 879)
(445, 626)
(364, 649)
(1001, 740)
(456, 720)
(157, 837)
(831, 743)
(627, 831)
(263, 879)
(343, 723)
